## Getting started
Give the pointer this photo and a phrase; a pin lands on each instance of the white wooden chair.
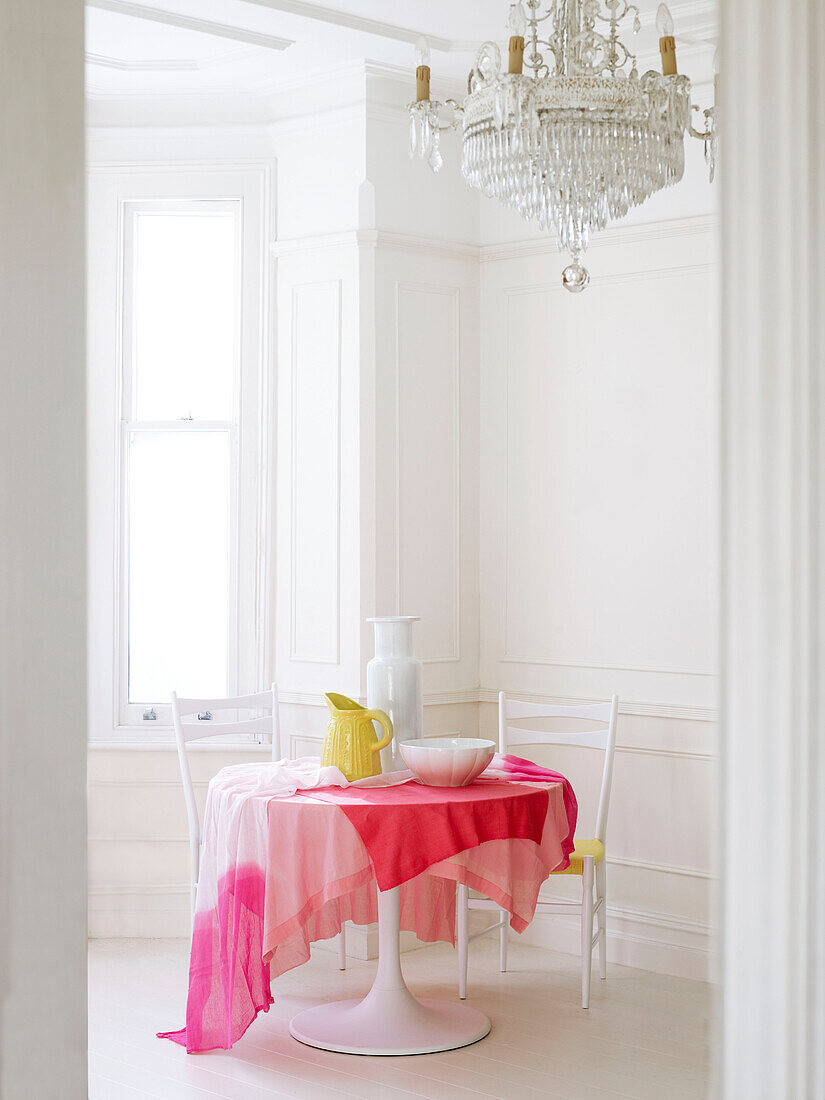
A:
(204, 725)
(588, 858)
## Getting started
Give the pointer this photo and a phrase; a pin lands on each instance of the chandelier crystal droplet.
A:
(576, 138)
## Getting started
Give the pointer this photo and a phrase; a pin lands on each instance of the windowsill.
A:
(213, 744)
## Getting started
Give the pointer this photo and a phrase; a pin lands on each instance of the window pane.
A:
(178, 564)
(185, 331)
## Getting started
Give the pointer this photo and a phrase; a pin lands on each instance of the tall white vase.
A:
(395, 683)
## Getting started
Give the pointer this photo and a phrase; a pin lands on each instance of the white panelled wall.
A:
(456, 437)
(598, 549)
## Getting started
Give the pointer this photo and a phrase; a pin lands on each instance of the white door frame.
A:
(42, 552)
(772, 808)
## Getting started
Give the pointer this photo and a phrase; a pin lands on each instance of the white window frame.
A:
(130, 714)
(116, 196)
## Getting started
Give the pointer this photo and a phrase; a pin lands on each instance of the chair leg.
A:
(601, 894)
(462, 939)
(502, 943)
(342, 948)
(587, 928)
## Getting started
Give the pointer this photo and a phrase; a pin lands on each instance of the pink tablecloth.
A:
(281, 873)
(409, 828)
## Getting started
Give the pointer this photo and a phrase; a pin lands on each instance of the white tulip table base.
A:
(389, 1020)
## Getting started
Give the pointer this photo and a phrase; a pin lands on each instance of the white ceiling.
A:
(183, 46)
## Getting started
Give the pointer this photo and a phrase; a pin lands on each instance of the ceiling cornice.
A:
(360, 23)
(701, 16)
(191, 23)
(165, 65)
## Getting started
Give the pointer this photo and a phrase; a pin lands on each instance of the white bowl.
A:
(447, 761)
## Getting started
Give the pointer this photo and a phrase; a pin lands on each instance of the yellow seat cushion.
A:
(583, 848)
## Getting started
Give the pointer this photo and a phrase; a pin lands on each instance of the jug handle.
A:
(386, 722)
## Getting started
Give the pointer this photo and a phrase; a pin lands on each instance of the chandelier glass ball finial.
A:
(575, 277)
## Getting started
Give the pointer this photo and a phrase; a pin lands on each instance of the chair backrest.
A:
(603, 737)
(204, 725)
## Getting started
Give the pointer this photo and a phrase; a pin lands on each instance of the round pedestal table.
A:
(389, 1020)
(279, 871)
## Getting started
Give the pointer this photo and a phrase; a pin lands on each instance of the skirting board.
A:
(647, 941)
(139, 912)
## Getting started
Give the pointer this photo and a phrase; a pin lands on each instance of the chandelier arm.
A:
(535, 60)
(539, 18)
(608, 16)
(710, 123)
(453, 124)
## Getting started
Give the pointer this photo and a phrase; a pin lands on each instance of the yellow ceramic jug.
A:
(350, 742)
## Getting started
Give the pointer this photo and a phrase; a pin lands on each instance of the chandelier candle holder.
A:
(579, 138)
(518, 28)
(667, 43)
(422, 70)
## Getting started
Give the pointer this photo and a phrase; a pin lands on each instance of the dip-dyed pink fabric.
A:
(406, 829)
(279, 871)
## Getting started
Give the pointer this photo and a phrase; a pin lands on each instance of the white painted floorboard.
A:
(645, 1035)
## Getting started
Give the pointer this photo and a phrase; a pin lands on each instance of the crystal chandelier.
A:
(578, 139)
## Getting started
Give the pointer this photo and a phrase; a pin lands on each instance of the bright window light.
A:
(184, 327)
(178, 564)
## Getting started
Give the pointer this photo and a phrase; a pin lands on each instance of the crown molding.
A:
(688, 10)
(359, 23)
(166, 65)
(699, 14)
(105, 61)
(192, 23)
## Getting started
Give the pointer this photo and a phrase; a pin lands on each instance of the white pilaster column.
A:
(772, 862)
